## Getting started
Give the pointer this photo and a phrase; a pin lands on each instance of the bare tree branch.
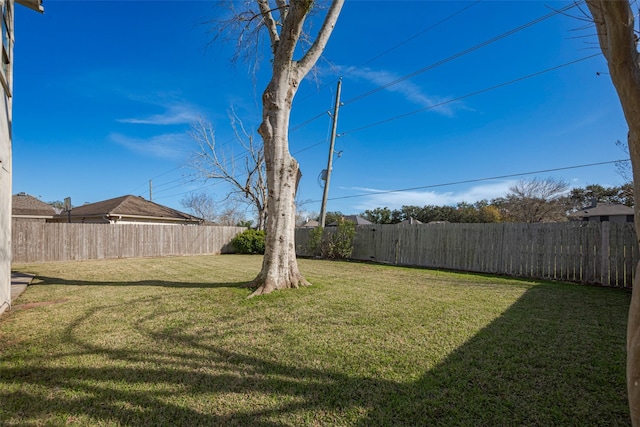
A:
(284, 9)
(201, 205)
(270, 23)
(243, 29)
(292, 29)
(312, 55)
(248, 184)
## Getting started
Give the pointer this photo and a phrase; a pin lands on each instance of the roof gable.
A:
(131, 206)
(26, 205)
(358, 220)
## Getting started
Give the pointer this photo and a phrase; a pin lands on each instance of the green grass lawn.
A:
(175, 342)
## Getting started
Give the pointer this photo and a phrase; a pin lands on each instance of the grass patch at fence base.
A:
(174, 341)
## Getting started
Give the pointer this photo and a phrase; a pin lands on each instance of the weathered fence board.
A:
(595, 253)
(40, 242)
(599, 253)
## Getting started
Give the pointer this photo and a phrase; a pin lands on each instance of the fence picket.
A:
(41, 242)
(600, 253)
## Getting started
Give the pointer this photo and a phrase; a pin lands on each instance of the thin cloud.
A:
(175, 114)
(381, 198)
(411, 92)
(169, 146)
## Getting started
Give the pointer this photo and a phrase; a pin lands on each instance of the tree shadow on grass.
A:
(530, 366)
(45, 281)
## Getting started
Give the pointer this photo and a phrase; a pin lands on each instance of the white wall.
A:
(5, 180)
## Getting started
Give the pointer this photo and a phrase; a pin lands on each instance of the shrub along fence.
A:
(41, 242)
(584, 252)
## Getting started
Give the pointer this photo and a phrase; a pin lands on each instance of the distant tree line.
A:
(547, 200)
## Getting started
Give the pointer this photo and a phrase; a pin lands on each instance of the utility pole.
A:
(150, 190)
(323, 208)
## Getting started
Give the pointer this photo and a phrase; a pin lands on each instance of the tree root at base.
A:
(264, 286)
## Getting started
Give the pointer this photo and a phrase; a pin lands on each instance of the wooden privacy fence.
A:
(584, 252)
(40, 242)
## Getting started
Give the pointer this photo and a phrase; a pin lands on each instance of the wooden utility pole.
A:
(150, 190)
(325, 194)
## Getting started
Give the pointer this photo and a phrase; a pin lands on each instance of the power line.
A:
(245, 155)
(226, 142)
(157, 176)
(443, 61)
(378, 56)
(240, 175)
(181, 179)
(175, 186)
(462, 53)
(440, 104)
(431, 27)
(470, 181)
(422, 70)
(306, 122)
(417, 72)
(189, 191)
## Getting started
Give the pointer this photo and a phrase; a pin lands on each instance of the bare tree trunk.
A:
(615, 24)
(633, 325)
(279, 265)
(262, 218)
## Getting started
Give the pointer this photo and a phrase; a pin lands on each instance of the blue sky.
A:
(105, 93)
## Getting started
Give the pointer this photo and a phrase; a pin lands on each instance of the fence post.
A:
(605, 232)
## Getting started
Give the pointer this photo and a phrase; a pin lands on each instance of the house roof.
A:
(410, 221)
(23, 205)
(32, 4)
(603, 209)
(130, 207)
(312, 223)
(353, 218)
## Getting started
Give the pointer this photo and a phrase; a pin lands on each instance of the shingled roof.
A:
(358, 220)
(26, 206)
(129, 208)
(602, 209)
